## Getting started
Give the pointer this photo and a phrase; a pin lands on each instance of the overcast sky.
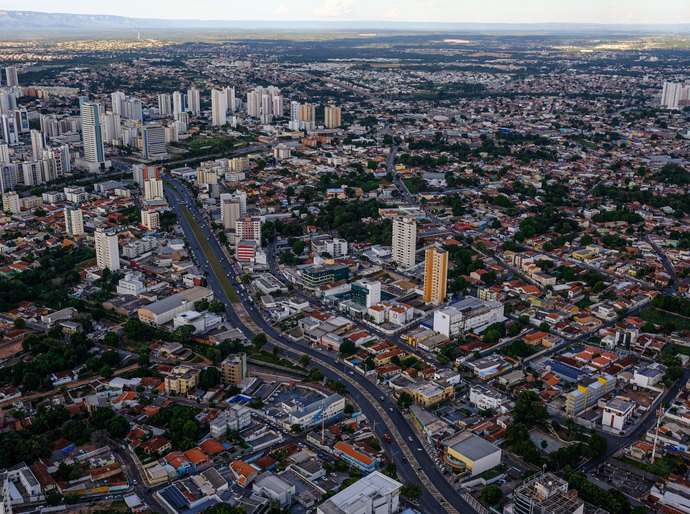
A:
(488, 11)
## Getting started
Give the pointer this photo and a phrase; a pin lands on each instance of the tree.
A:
(304, 360)
(54, 499)
(529, 409)
(348, 348)
(296, 428)
(405, 400)
(118, 427)
(77, 431)
(259, 340)
(216, 306)
(209, 377)
(106, 371)
(19, 323)
(111, 339)
(491, 494)
(411, 491)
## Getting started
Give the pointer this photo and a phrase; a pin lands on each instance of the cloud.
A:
(335, 8)
(282, 9)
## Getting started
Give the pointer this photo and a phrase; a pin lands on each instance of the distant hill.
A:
(40, 21)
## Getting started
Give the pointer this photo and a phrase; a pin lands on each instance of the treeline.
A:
(47, 284)
(677, 305)
(615, 216)
(346, 218)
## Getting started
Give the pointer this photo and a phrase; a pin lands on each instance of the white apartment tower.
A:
(36, 144)
(12, 78)
(107, 255)
(94, 153)
(164, 104)
(331, 116)
(74, 221)
(404, 241)
(153, 189)
(219, 107)
(194, 101)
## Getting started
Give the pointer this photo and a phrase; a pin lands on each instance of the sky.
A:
(483, 11)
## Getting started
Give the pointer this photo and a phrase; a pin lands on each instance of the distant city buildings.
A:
(675, 95)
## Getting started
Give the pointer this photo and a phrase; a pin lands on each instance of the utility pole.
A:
(660, 414)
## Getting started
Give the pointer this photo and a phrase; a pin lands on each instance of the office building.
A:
(74, 221)
(154, 142)
(374, 493)
(194, 101)
(94, 153)
(588, 392)
(234, 368)
(150, 219)
(316, 276)
(164, 310)
(435, 275)
(546, 493)
(404, 241)
(153, 189)
(107, 251)
(366, 292)
(11, 77)
(331, 116)
(219, 107)
(10, 202)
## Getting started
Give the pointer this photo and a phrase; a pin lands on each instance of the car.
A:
(410, 438)
(383, 398)
(390, 409)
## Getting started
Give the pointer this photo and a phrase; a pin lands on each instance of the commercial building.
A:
(470, 313)
(107, 251)
(466, 451)
(404, 241)
(366, 292)
(435, 275)
(153, 142)
(163, 311)
(234, 368)
(355, 457)
(246, 250)
(325, 410)
(588, 392)
(546, 493)
(74, 221)
(485, 398)
(374, 493)
(317, 276)
(616, 414)
(274, 488)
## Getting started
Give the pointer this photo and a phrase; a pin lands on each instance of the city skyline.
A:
(427, 11)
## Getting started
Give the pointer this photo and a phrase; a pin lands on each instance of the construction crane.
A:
(660, 414)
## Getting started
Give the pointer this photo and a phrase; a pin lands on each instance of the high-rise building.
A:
(178, 103)
(164, 104)
(230, 211)
(9, 177)
(150, 219)
(154, 142)
(10, 202)
(94, 153)
(141, 173)
(331, 116)
(675, 95)
(4, 153)
(435, 275)
(107, 252)
(153, 189)
(546, 493)
(366, 292)
(248, 229)
(11, 75)
(219, 107)
(112, 128)
(132, 109)
(61, 160)
(118, 99)
(234, 368)
(74, 221)
(9, 129)
(37, 144)
(404, 241)
(254, 104)
(194, 101)
(231, 99)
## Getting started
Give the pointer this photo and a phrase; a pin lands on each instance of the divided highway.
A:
(413, 463)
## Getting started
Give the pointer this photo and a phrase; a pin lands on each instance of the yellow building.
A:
(428, 394)
(234, 368)
(181, 380)
(435, 275)
(468, 452)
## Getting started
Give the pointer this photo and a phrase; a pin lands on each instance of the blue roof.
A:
(565, 371)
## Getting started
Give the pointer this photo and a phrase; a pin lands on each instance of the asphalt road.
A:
(403, 451)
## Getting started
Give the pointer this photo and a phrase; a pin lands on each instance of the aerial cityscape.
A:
(340, 257)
